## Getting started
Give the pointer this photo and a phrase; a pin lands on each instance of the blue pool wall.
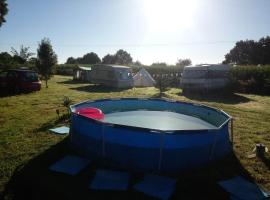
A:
(142, 149)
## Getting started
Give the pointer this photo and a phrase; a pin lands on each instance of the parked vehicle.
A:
(19, 80)
(204, 78)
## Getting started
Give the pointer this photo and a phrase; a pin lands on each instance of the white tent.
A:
(143, 79)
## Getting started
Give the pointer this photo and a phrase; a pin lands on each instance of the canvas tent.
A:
(82, 73)
(143, 79)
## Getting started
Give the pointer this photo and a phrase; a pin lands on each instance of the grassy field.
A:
(25, 119)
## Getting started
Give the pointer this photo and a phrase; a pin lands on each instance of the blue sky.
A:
(151, 30)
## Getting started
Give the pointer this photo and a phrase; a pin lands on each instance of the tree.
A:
(108, 59)
(90, 58)
(46, 59)
(250, 52)
(71, 60)
(5, 58)
(183, 62)
(3, 11)
(122, 57)
(23, 55)
(162, 83)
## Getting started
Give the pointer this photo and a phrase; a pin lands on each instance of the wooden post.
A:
(232, 131)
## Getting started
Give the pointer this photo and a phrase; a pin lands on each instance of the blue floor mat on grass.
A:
(156, 186)
(70, 165)
(60, 130)
(241, 189)
(110, 180)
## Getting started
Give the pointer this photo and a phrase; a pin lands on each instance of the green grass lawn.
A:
(25, 118)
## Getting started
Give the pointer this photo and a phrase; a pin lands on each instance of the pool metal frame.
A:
(230, 118)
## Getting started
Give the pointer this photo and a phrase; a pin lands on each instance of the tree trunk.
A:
(46, 81)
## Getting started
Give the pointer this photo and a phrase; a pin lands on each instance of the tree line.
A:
(250, 52)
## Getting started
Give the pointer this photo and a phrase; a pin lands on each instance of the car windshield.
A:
(30, 76)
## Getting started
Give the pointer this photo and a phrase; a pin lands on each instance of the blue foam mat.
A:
(60, 130)
(239, 188)
(110, 180)
(157, 186)
(70, 165)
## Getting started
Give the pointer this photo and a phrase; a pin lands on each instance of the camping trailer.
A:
(81, 73)
(112, 75)
(206, 77)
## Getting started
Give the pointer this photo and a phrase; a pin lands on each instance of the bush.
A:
(251, 79)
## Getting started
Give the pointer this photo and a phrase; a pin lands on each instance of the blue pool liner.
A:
(156, 186)
(70, 164)
(239, 188)
(60, 130)
(110, 180)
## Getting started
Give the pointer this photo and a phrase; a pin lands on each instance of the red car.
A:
(19, 80)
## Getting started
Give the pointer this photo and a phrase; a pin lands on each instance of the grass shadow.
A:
(231, 98)
(98, 89)
(62, 120)
(71, 81)
(266, 160)
(35, 181)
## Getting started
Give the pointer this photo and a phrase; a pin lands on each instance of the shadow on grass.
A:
(35, 181)
(71, 81)
(266, 160)
(98, 89)
(62, 120)
(218, 97)
(5, 93)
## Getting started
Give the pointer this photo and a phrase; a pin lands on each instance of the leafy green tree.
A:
(90, 58)
(71, 60)
(3, 11)
(23, 55)
(122, 57)
(250, 52)
(5, 58)
(159, 64)
(162, 83)
(46, 59)
(108, 59)
(183, 62)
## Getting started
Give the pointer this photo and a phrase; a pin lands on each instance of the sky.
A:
(150, 30)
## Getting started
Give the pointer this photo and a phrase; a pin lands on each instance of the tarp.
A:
(143, 79)
(70, 164)
(156, 186)
(60, 130)
(239, 188)
(110, 180)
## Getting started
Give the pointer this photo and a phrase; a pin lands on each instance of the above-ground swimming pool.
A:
(150, 134)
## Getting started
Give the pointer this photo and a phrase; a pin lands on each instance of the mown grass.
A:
(25, 119)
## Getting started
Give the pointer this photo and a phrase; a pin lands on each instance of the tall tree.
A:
(90, 58)
(24, 54)
(3, 11)
(183, 62)
(122, 57)
(250, 52)
(46, 59)
(71, 60)
(108, 59)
